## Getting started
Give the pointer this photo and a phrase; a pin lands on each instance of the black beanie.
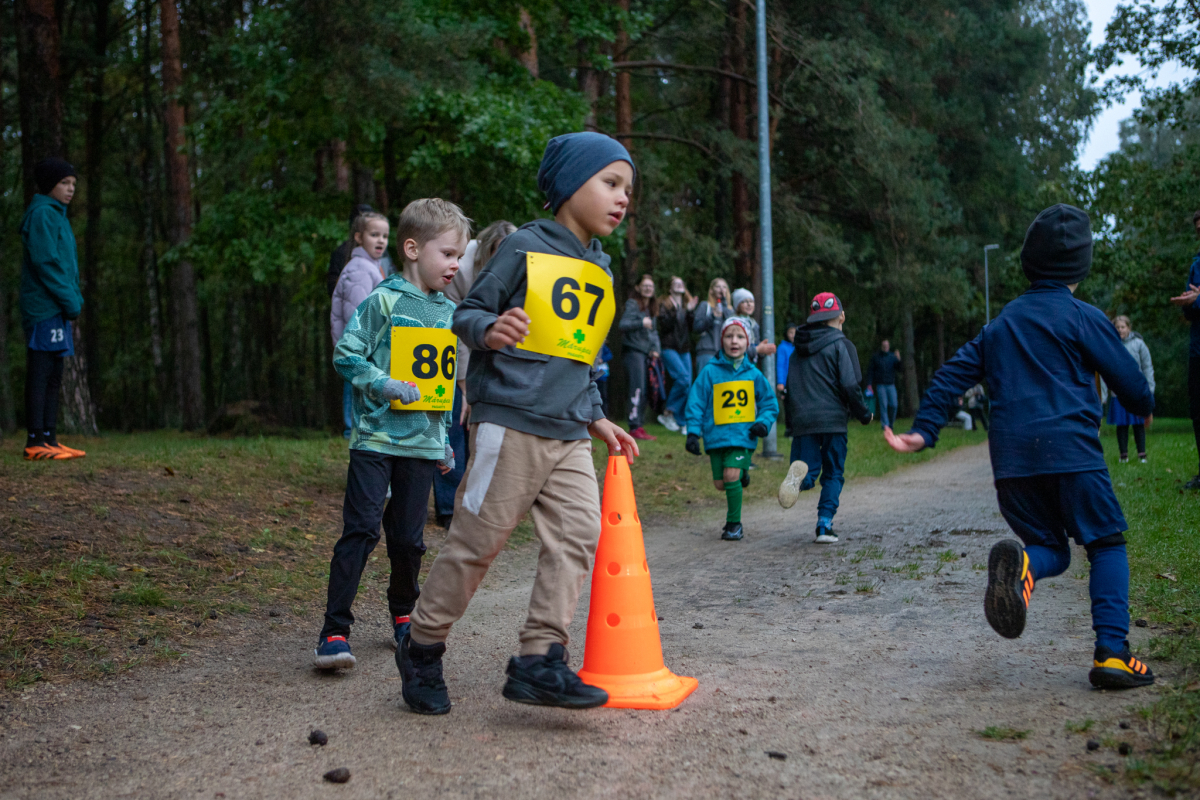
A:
(1058, 246)
(49, 171)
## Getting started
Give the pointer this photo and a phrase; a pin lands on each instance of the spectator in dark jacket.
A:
(1189, 301)
(782, 357)
(50, 300)
(1039, 359)
(639, 324)
(822, 394)
(881, 377)
(675, 313)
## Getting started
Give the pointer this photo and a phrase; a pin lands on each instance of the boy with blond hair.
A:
(535, 319)
(388, 445)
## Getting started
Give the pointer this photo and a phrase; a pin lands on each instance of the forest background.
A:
(221, 143)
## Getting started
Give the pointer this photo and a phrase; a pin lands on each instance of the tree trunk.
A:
(391, 185)
(183, 283)
(940, 320)
(76, 412)
(38, 86)
(8, 412)
(341, 170)
(743, 233)
(624, 120)
(909, 358)
(589, 83)
(529, 56)
(149, 257)
(95, 198)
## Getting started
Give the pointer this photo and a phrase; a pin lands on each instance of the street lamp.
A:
(987, 295)
(770, 443)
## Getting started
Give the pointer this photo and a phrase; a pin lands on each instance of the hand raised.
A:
(511, 327)
(904, 442)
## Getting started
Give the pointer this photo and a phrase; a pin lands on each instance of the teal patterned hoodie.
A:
(363, 357)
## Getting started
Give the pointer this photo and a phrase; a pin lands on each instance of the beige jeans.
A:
(509, 474)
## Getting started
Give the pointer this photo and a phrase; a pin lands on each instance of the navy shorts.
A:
(1046, 509)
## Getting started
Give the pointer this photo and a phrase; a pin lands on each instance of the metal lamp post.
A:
(987, 287)
(770, 444)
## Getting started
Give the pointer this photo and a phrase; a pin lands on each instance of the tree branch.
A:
(629, 65)
(662, 137)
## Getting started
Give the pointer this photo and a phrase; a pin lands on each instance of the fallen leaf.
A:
(1167, 575)
(12, 499)
(310, 537)
(235, 576)
(169, 471)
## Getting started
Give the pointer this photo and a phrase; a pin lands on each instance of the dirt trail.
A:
(870, 694)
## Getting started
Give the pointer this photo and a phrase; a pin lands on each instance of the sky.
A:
(1104, 137)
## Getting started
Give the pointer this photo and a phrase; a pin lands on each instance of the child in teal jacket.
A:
(731, 404)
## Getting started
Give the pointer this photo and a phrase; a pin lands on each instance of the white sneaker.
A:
(683, 430)
(667, 420)
(789, 490)
(826, 538)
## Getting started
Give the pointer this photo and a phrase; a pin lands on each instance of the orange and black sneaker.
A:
(1113, 670)
(1010, 584)
(70, 451)
(44, 452)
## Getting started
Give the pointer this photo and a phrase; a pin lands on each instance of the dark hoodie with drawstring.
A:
(543, 395)
(823, 382)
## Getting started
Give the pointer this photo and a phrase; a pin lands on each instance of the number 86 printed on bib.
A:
(426, 357)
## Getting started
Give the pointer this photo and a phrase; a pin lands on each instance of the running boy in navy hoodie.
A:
(535, 319)
(1038, 359)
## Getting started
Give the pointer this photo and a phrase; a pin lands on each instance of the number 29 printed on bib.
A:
(570, 306)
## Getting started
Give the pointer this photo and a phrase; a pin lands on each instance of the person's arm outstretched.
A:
(961, 372)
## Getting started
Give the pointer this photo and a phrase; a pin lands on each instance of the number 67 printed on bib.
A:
(570, 306)
(426, 357)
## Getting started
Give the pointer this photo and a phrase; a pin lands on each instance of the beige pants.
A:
(509, 474)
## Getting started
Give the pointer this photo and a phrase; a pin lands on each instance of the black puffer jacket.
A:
(822, 383)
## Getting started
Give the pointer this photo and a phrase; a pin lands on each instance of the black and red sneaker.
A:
(400, 626)
(1010, 585)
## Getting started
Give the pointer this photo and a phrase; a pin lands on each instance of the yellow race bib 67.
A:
(733, 401)
(426, 357)
(570, 306)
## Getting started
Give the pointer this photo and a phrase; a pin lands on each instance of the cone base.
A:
(651, 690)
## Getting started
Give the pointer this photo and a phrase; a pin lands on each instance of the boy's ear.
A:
(410, 249)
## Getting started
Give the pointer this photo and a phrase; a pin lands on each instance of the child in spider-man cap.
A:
(1039, 359)
(823, 393)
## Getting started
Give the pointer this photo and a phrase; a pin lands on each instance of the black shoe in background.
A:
(548, 681)
(444, 520)
(421, 676)
(745, 478)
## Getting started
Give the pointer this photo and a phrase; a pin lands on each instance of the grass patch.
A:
(1163, 522)
(1079, 727)
(1002, 734)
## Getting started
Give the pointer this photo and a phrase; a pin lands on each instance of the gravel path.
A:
(865, 666)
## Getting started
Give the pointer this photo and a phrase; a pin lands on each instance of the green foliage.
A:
(1002, 734)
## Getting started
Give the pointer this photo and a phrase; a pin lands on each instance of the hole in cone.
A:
(613, 518)
(614, 568)
(613, 620)
(645, 567)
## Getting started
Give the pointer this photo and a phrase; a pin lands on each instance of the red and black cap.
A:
(825, 306)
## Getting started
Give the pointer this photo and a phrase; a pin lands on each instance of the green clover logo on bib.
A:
(579, 337)
(440, 390)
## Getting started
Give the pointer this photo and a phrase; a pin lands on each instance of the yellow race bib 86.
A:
(570, 306)
(733, 401)
(426, 357)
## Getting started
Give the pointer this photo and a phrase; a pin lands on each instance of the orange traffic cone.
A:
(623, 653)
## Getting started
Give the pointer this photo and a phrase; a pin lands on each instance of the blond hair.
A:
(428, 218)
(362, 220)
(489, 241)
(1123, 318)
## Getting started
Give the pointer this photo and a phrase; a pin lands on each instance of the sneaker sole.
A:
(729, 538)
(789, 490)
(520, 692)
(1003, 604)
(425, 711)
(826, 540)
(1109, 678)
(339, 661)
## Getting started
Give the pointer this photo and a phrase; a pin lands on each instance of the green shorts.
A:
(728, 457)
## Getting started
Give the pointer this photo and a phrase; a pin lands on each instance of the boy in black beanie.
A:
(1038, 359)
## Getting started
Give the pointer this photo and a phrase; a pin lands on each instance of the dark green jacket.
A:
(49, 265)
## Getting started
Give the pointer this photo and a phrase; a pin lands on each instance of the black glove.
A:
(868, 419)
(758, 430)
(693, 444)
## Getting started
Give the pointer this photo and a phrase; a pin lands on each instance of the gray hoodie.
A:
(707, 322)
(636, 335)
(546, 396)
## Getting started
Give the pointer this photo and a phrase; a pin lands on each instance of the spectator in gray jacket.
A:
(707, 321)
(1117, 414)
(640, 341)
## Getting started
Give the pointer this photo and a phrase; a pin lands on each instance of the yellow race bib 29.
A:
(733, 401)
(427, 358)
(570, 306)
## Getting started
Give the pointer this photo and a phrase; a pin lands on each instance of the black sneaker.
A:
(732, 532)
(1194, 483)
(1113, 670)
(1010, 584)
(824, 535)
(421, 676)
(745, 478)
(548, 681)
(444, 520)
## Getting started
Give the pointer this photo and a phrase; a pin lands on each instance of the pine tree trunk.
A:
(38, 86)
(529, 56)
(739, 123)
(183, 279)
(95, 197)
(8, 411)
(909, 358)
(624, 120)
(76, 412)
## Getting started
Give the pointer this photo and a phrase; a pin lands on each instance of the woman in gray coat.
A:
(1117, 415)
(707, 322)
(639, 324)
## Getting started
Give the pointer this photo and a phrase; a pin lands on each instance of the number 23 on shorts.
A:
(426, 357)
(570, 306)
(733, 401)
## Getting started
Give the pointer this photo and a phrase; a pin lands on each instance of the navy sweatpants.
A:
(825, 455)
(1044, 510)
